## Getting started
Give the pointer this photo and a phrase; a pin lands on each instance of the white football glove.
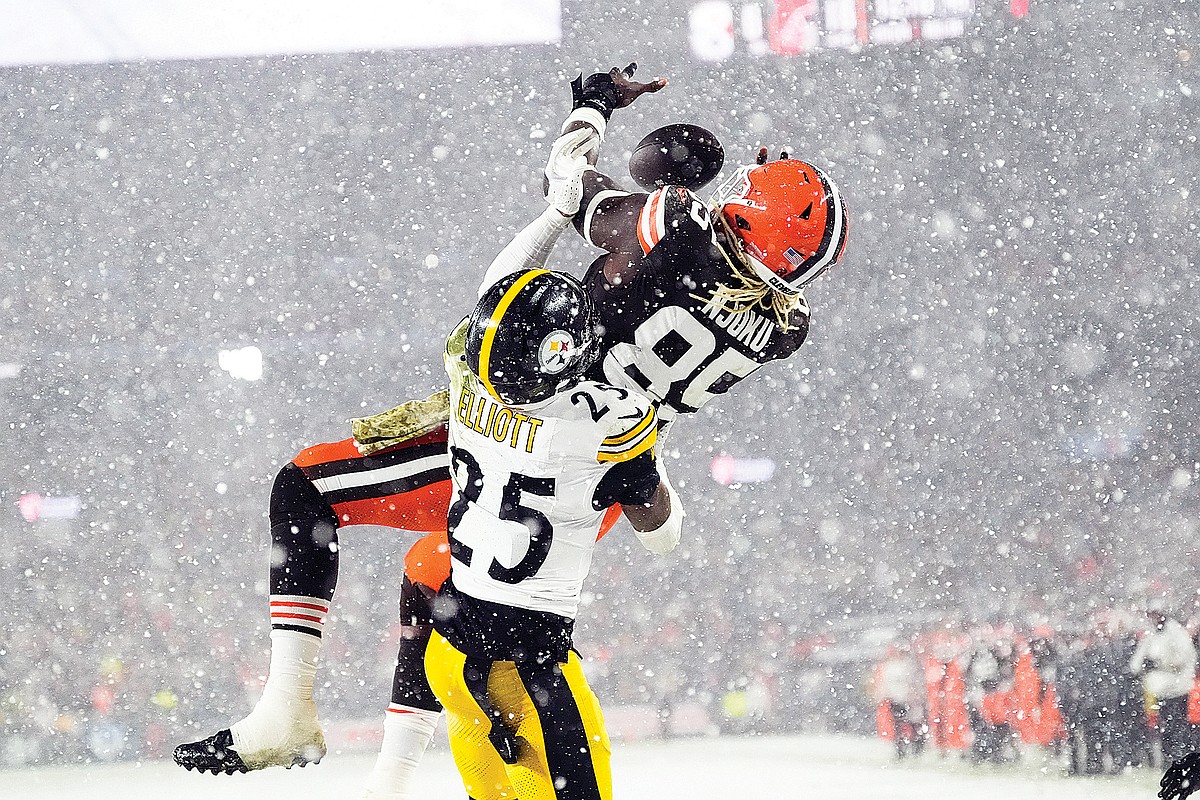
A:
(665, 538)
(565, 168)
(566, 187)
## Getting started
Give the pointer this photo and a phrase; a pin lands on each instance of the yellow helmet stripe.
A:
(489, 333)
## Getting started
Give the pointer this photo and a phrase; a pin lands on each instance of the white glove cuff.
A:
(589, 116)
(662, 540)
(551, 222)
(665, 537)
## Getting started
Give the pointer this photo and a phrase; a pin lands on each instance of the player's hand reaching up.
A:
(565, 168)
(607, 91)
(592, 102)
(628, 89)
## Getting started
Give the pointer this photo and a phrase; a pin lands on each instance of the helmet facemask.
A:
(730, 194)
(752, 291)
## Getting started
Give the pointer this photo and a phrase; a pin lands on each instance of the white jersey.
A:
(1173, 658)
(525, 521)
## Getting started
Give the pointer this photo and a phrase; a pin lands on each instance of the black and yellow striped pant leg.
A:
(562, 748)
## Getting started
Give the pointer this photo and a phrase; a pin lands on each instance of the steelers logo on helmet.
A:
(556, 351)
(531, 334)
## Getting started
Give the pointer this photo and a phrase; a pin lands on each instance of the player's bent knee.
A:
(293, 497)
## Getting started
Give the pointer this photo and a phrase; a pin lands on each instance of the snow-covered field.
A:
(772, 767)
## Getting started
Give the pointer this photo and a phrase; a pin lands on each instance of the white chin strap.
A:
(768, 277)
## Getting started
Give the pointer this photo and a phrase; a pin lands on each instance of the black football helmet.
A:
(531, 334)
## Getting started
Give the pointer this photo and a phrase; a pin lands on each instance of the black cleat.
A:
(214, 754)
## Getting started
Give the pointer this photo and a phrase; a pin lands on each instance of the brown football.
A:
(678, 155)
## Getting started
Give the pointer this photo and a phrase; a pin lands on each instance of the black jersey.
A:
(664, 333)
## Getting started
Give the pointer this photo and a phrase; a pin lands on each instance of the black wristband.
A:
(598, 92)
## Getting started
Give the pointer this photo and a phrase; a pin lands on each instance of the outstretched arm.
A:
(607, 216)
(593, 100)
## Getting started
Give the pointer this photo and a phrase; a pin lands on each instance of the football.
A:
(679, 155)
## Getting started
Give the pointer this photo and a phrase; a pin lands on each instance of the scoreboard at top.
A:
(718, 29)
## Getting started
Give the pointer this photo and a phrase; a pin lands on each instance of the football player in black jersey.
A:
(693, 296)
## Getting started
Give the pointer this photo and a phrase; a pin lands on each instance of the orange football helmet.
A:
(788, 220)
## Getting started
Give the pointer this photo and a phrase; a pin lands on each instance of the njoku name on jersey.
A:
(525, 522)
(664, 334)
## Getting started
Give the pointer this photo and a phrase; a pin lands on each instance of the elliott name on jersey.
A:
(534, 483)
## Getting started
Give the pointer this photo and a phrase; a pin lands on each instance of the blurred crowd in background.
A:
(993, 418)
(1121, 694)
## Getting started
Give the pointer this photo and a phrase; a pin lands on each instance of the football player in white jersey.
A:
(538, 455)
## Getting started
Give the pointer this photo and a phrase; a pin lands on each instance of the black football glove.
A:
(1181, 778)
(599, 91)
(608, 91)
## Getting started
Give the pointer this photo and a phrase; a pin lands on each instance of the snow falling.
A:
(988, 443)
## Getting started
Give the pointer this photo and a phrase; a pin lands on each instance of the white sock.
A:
(285, 717)
(407, 731)
(293, 663)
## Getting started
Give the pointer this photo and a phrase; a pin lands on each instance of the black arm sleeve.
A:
(631, 482)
